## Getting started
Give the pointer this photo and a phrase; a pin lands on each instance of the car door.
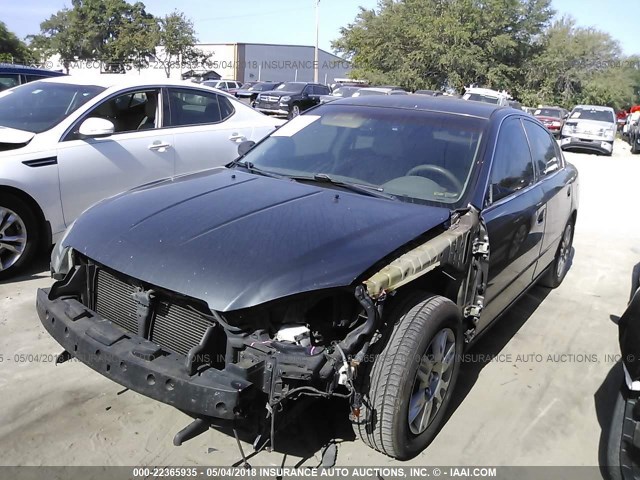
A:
(556, 189)
(514, 217)
(138, 151)
(206, 128)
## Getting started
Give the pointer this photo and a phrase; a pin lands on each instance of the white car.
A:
(67, 143)
(487, 95)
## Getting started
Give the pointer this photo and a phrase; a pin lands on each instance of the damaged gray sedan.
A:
(355, 253)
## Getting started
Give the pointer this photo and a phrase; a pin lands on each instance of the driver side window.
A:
(129, 112)
(512, 167)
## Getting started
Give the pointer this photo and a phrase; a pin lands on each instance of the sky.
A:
(293, 21)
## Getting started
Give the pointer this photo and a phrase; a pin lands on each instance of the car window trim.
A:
(538, 175)
(517, 193)
(71, 129)
(171, 113)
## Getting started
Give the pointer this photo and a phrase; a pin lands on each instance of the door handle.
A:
(160, 147)
(237, 137)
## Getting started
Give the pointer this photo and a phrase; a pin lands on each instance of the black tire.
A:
(556, 272)
(634, 146)
(10, 202)
(392, 378)
(614, 440)
(294, 111)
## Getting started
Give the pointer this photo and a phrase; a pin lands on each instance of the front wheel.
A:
(411, 380)
(18, 235)
(558, 270)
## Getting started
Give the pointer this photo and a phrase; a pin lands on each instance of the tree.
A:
(445, 43)
(579, 65)
(58, 35)
(114, 32)
(12, 49)
(177, 38)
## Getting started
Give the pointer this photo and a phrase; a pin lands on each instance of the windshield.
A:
(263, 87)
(548, 112)
(479, 97)
(416, 156)
(36, 107)
(365, 93)
(247, 86)
(345, 91)
(293, 87)
(597, 115)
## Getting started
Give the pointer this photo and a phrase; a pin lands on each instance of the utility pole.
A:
(316, 64)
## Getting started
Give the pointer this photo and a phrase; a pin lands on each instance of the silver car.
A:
(589, 127)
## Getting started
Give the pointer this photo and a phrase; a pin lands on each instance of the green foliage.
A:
(501, 44)
(177, 38)
(115, 32)
(445, 43)
(12, 49)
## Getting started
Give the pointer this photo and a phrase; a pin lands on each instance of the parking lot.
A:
(535, 390)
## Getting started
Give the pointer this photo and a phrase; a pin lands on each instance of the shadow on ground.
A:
(325, 421)
(39, 268)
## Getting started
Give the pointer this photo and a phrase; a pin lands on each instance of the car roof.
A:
(108, 81)
(26, 69)
(426, 103)
(593, 107)
(378, 89)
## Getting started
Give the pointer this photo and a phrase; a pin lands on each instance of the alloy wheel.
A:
(13, 238)
(565, 251)
(432, 381)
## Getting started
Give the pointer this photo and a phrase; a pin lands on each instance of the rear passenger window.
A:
(512, 168)
(8, 80)
(543, 149)
(33, 78)
(190, 107)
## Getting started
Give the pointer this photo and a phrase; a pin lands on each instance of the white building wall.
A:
(235, 61)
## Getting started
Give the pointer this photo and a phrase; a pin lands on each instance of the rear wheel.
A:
(558, 270)
(18, 235)
(411, 380)
(295, 111)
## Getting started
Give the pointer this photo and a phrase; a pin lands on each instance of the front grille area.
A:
(177, 328)
(173, 326)
(114, 301)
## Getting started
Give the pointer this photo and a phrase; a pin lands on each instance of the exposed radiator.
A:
(173, 326)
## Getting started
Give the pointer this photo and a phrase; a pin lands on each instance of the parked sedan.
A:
(12, 75)
(66, 144)
(333, 259)
(552, 118)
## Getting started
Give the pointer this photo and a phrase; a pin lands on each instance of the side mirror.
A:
(305, 95)
(245, 146)
(95, 127)
(565, 116)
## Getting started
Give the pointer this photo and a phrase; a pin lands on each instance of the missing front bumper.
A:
(139, 364)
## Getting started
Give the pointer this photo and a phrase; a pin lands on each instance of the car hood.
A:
(590, 125)
(278, 93)
(15, 136)
(236, 240)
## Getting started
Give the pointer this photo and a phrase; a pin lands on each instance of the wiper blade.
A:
(253, 169)
(369, 190)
